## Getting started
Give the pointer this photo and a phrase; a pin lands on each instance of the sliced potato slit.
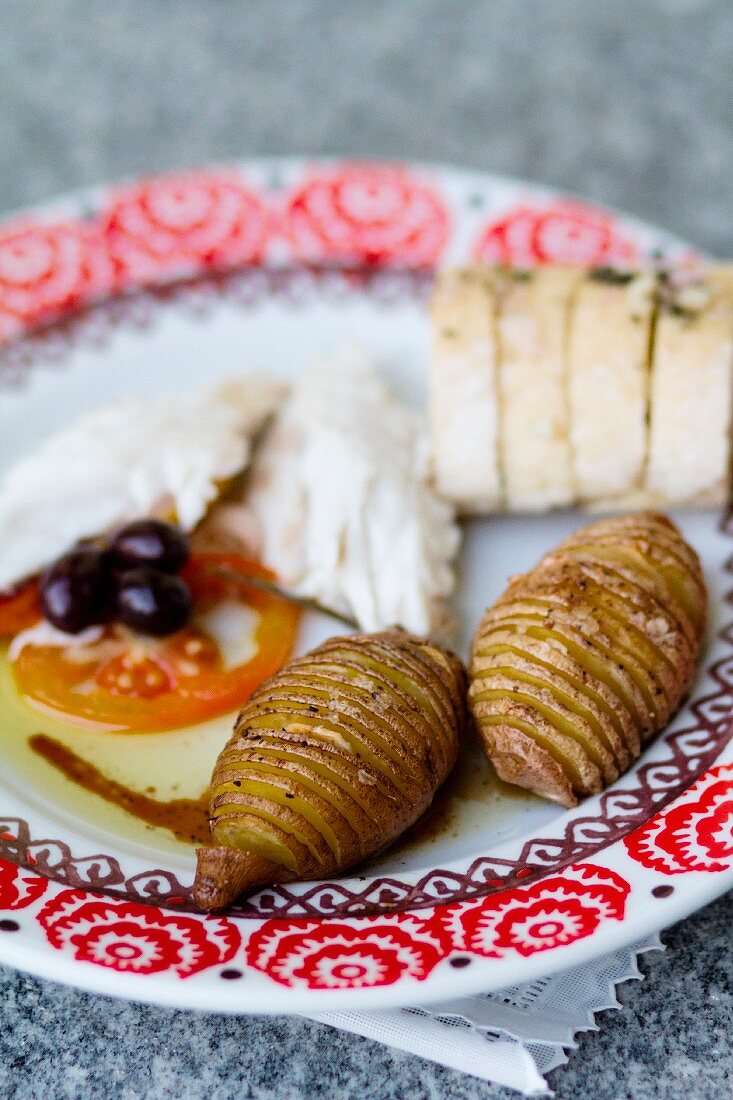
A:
(549, 746)
(271, 816)
(594, 700)
(291, 780)
(559, 722)
(609, 661)
(567, 702)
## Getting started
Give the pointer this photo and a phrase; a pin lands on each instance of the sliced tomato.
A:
(127, 682)
(139, 678)
(19, 610)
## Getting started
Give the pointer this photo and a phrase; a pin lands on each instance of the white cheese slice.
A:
(126, 461)
(532, 326)
(691, 393)
(464, 404)
(608, 384)
(341, 489)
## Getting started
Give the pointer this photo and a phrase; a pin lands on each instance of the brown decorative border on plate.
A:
(93, 326)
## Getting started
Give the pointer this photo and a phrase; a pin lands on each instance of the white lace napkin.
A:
(513, 1037)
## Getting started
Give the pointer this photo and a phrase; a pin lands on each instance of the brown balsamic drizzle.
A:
(466, 783)
(470, 781)
(186, 818)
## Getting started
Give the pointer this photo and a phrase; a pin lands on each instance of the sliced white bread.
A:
(535, 446)
(691, 391)
(464, 408)
(608, 350)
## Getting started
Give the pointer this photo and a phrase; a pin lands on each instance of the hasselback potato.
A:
(330, 761)
(588, 655)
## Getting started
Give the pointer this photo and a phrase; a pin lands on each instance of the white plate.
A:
(157, 285)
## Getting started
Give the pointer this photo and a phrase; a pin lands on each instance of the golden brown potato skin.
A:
(588, 655)
(330, 761)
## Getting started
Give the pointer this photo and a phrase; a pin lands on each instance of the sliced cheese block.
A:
(691, 381)
(533, 327)
(608, 351)
(463, 390)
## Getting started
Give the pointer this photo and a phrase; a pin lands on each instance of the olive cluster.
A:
(131, 579)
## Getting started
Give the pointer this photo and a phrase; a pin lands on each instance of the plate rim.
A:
(441, 982)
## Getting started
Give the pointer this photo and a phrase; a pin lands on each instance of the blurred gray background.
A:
(624, 101)
(628, 102)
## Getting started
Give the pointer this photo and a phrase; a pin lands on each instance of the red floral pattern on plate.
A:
(177, 225)
(145, 247)
(696, 834)
(332, 955)
(329, 955)
(134, 938)
(47, 268)
(18, 888)
(367, 213)
(550, 913)
(564, 232)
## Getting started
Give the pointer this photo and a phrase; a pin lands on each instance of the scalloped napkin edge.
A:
(512, 1037)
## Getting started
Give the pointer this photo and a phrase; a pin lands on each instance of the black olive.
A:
(153, 602)
(150, 542)
(77, 591)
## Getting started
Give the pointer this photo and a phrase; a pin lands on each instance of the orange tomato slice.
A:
(19, 610)
(125, 682)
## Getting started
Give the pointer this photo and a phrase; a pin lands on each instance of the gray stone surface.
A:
(672, 1040)
(629, 103)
